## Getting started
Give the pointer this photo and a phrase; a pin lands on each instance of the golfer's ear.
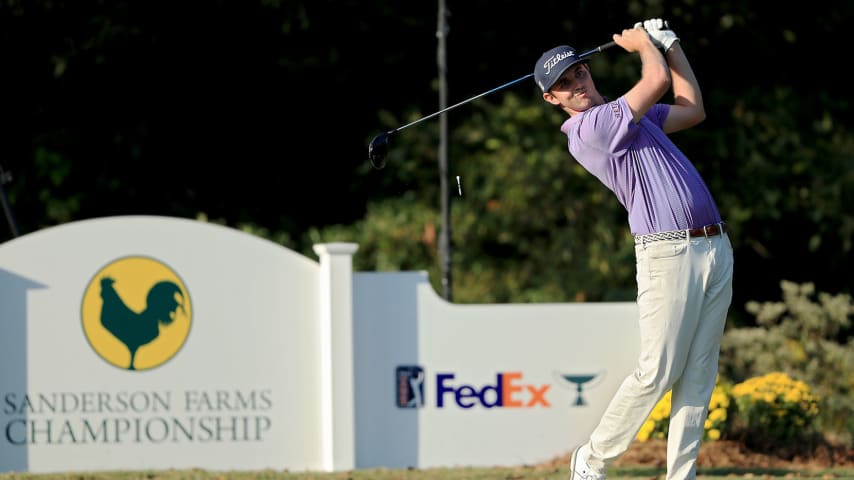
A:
(547, 96)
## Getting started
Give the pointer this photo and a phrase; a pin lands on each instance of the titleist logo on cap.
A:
(555, 59)
(552, 64)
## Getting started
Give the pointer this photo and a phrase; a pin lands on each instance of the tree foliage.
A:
(258, 113)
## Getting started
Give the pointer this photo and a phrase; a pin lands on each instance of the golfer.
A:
(684, 256)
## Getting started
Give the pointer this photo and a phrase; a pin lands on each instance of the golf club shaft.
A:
(464, 102)
(581, 56)
(378, 148)
(598, 49)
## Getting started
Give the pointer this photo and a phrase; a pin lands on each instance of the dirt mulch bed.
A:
(728, 453)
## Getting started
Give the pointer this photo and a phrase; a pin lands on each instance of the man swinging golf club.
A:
(684, 256)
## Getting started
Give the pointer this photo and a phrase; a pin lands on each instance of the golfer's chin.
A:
(583, 105)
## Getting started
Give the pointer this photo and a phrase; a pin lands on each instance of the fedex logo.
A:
(509, 391)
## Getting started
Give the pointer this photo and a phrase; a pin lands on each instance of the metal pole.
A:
(4, 178)
(445, 235)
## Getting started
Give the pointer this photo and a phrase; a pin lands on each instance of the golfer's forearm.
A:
(686, 88)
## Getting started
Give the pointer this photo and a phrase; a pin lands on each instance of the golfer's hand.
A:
(660, 34)
(635, 39)
(639, 26)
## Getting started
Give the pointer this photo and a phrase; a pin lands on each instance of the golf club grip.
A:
(597, 49)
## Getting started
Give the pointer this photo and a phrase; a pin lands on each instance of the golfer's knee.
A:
(652, 381)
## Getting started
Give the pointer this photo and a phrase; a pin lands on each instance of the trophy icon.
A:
(580, 380)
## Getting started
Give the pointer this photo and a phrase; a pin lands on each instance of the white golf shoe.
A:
(578, 468)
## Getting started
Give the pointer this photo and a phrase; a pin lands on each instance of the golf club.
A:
(378, 148)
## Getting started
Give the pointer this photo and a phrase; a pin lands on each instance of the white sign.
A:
(142, 342)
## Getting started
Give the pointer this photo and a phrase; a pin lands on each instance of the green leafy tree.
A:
(117, 108)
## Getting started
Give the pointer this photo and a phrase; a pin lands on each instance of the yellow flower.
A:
(658, 421)
(717, 414)
(646, 430)
(775, 401)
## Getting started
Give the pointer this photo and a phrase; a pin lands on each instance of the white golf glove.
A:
(654, 41)
(660, 33)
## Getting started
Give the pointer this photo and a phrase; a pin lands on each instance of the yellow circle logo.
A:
(136, 313)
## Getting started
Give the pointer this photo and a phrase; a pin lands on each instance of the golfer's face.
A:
(574, 90)
(572, 78)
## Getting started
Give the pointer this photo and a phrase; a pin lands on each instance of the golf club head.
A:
(378, 149)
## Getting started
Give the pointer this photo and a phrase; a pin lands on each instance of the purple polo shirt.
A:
(651, 177)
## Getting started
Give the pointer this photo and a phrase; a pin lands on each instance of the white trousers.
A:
(684, 293)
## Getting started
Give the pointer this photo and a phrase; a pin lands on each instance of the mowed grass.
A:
(502, 473)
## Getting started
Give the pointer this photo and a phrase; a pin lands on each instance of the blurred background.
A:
(257, 115)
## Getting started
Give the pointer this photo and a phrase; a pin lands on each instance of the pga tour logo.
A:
(409, 386)
(505, 390)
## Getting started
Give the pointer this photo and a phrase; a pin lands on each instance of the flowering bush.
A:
(807, 333)
(657, 424)
(719, 410)
(769, 409)
(775, 407)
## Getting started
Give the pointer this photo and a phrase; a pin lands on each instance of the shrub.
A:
(806, 339)
(719, 415)
(765, 412)
(657, 424)
(774, 409)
